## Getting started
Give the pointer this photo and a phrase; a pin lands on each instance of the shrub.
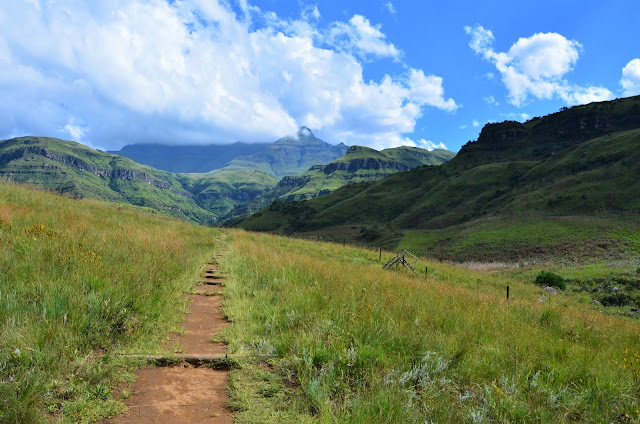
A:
(616, 299)
(546, 278)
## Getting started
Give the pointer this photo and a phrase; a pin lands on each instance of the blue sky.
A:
(376, 73)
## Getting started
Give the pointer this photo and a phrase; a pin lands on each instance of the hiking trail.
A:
(181, 392)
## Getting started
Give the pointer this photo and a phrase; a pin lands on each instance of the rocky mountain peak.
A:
(305, 132)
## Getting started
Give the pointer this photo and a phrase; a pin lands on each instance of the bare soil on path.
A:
(184, 393)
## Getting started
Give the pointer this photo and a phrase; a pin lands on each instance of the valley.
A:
(240, 187)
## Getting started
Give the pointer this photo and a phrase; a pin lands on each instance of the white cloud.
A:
(428, 90)
(406, 141)
(513, 116)
(490, 100)
(310, 12)
(360, 38)
(536, 66)
(462, 127)
(430, 145)
(112, 72)
(75, 131)
(475, 123)
(631, 78)
(390, 8)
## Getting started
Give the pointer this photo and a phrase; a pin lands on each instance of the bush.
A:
(550, 279)
(616, 299)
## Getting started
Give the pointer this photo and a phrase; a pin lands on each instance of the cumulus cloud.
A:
(631, 78)
(112, 72)
(536, 67)
(360, 38)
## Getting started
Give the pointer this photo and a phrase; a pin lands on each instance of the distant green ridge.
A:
(290, 155)
(357, 165)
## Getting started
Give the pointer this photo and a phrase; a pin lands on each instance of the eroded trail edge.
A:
(191, 385)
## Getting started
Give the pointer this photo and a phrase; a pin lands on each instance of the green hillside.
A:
(357, 165)
(582, 161)
(78, 171)
(225, 191)
(188, 159)
(290, 155)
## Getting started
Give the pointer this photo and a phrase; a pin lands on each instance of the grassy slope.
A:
(79, 278)
(366, 345)
(552, 169)
(79, 171)
(355, 344)
(224, 191)
(357, 165)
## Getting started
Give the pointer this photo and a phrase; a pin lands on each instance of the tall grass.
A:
(368, 345)
(79, 281)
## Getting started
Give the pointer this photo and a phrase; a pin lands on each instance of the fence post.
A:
(380, 256)
(507, 292)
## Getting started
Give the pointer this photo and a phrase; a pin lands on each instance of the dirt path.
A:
(184, 393)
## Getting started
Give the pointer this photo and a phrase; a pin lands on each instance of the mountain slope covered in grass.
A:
(78, 171)
(358, 164)
(582, 161)
(290, 155)
(348, 341)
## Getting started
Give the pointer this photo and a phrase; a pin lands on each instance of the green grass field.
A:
(365, 345)
(81, 281)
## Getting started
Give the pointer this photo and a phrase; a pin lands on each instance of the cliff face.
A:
(359, 164)
(504, 132)
(544, 137)
(366, 164)
(81, 165)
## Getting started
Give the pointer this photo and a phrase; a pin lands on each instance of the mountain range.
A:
(245, 184)
(581, 161)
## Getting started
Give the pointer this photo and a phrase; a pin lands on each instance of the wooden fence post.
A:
(507, 292)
